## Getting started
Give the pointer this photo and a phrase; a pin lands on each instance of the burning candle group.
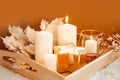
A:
(44, 43)
(67, 35)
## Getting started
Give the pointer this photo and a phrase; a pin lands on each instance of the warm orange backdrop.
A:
(99, 14)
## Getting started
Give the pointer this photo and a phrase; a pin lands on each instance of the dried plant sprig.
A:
(111, 41)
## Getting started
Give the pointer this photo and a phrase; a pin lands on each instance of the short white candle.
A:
(43, 44)
(50, 60)
(67, 34)
(91, 46)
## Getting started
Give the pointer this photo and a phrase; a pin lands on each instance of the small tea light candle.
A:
(50, 60)
(91, 46)
(67, 34)
(43, 44)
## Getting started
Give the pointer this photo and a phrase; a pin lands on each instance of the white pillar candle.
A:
(91, 46)
(50, 60)
(67, 34)
(43, 44)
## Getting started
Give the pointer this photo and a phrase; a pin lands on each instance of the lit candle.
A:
(50, 60)
(43, 44)
(91, 46)
(67, 34)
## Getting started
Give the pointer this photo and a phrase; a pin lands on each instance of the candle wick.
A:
(91, 37)
(66, 19)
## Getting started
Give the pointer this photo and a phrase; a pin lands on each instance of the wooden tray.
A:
(38, 71)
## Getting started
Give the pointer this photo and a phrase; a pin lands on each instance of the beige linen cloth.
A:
(6, 74)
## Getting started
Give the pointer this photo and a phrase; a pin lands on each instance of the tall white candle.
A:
(91, 46)
(50, 60)
(67, 34)
(43, 44)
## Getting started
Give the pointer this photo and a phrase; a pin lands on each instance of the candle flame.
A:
(91, 37)
(66, 19)
(43, 27)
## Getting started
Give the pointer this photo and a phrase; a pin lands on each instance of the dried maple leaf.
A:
(16, 32)
(53, 27)
(10, 43)
(30, 34)
(30, 48)
(44, 24)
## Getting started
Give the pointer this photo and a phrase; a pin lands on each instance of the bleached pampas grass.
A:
(6, 74)
(111, 72)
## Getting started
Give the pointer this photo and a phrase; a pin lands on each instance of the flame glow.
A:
(43, 27)
(91, 37)
(66, 19)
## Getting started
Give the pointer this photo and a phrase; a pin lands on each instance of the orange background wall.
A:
(98, 14)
